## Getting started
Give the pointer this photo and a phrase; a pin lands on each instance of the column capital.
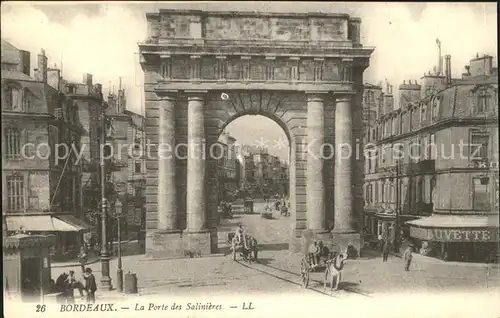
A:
(344, 96)
(166, 94)
(317, 96)
(195, 94)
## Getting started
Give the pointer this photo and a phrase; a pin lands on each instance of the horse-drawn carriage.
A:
(248, 252)
(330, 266)
(248, 206)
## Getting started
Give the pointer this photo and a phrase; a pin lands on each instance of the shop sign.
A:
(462, 235)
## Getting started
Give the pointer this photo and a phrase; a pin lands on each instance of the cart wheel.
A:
(304, 271)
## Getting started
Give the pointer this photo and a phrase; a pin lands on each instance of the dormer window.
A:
(71, 89)
(13, 98)
(436, 101)
(27, 99)
(482, 102)
(423, 113)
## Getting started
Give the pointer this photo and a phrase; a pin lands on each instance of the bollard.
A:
(130, 283)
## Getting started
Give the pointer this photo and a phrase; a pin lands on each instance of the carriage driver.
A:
(315, 251)
(240, 236)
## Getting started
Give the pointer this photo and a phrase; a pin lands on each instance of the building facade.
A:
(40, 143)
(434, 178)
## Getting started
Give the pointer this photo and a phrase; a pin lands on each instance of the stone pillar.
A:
(197, 234)
(315, 188)
(167, 196)
(166, 240)
(344, 232)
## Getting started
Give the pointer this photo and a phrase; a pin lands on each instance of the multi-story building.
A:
(435, 177)
(40, 147)
(227, 168)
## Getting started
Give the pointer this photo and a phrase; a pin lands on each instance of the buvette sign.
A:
(457, 235)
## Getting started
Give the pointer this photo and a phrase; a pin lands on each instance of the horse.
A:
(333, 271)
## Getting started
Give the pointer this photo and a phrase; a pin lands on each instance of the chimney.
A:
(41, 71)
(87, 80)
(448, 69)
(111, 101)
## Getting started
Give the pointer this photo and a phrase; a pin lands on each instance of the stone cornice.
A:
(250, 14)
(254, 48)
(341, 88)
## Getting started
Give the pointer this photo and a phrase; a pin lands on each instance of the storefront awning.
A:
(455, 228)
(456, 221)
(45, 223)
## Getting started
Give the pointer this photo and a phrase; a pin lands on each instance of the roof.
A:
(17, 76)
(45, 223)
(10, 53)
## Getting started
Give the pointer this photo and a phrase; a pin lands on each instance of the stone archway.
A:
(313, 92)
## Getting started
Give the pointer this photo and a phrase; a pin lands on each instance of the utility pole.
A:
(105, 278)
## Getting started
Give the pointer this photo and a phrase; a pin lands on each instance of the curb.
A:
(61, 265)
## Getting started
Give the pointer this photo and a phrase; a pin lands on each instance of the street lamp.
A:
(119, 272)
(398, 206)
(105, 278)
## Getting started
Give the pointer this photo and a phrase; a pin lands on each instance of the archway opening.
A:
(253, 189)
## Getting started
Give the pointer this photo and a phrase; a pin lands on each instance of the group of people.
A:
(407, 254)
(316, 251)
(67, 283)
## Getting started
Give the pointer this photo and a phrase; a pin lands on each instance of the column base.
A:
(164, 244)
(196, 244)
(347, 241)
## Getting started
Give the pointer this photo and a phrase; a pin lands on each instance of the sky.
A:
(101, 39)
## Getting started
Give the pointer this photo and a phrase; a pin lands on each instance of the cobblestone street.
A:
(278, 270)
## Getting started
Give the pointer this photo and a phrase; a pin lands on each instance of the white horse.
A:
(333, 272)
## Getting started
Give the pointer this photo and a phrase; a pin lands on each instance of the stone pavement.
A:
(278, 270)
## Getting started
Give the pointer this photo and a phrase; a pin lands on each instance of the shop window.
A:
(15, 193)
(480, 198)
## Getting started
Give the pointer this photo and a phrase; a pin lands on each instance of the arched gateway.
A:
(304, 71)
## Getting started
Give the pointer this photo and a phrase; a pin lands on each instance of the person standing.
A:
(407, 256)
(83, 256)
(385, 251)
(90, 285)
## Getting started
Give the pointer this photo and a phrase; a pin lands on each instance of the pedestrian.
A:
(83, 257)
(75, 284)
(385, 251)
(90, 285)
(407, 256)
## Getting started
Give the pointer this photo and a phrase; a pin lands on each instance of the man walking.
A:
(90, 285)
(407, 256)
(385, 251)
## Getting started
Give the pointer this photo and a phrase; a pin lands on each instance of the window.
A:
(379, 228)
(479, 146)
(435, 107)
(430, 152)
(13, 98)
(15, 193)
(27, 99)
(137, 167)
(480, 199)
(12, 143)
(482, 102)
(423, 114)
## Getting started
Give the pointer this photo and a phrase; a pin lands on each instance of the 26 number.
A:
(40, 308)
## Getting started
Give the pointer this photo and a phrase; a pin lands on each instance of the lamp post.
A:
(397, 207)
(119, 272)
(105, 278)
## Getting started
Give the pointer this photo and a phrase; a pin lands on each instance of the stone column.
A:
(315, 188)
(196, 237)
(343, 166)
(166, 240)
(167, 190)
(345, 236)
(196, 218)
